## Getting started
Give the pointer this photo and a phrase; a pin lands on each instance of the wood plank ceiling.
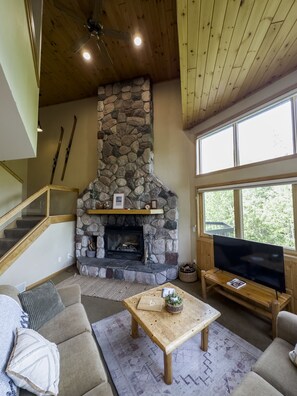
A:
(65, 76)
(228, 49)
(231, 48)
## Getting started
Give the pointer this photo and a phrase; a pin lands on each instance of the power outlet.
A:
(59, 259)
(22, 287)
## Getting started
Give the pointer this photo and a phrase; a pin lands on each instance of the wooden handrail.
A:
(11, 172)
(13, 212)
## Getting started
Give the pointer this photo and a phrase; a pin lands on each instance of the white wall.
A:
(51, 252)
(82, 163)
(19, 87)
(174, 158)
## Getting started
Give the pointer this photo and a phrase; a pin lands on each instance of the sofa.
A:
(81, 369)
(274, 374)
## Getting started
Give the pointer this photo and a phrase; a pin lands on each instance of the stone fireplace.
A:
(125, 165)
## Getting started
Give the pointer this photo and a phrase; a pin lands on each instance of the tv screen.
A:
(256, 261)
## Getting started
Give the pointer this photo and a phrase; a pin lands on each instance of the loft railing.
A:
(51, 204)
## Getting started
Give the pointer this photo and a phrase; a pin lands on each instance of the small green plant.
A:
(174, 299)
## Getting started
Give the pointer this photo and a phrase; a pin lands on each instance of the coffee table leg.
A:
(168, 368)
(134, 328)
(204, 339)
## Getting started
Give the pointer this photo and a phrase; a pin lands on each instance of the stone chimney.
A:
(125, 165)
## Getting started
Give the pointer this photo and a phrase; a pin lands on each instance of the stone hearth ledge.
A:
(128, 270)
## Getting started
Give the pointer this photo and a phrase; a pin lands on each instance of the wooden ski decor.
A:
(69, 147)
(55, 159)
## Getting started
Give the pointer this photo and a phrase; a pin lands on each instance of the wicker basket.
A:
(187, 276)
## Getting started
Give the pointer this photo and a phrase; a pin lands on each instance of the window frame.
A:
(238, 212)
(234, 125)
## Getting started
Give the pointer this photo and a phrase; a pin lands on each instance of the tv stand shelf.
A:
(260, 299)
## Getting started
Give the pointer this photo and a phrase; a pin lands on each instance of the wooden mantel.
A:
(125, 211)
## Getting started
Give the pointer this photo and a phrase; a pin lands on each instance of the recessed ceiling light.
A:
(137, 41)
(86, 55)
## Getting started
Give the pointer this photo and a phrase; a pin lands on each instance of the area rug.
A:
(136, 365)
(111, 289)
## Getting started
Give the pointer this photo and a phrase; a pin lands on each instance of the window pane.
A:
(216, 151)
(268, 215)
(219, 213)
(267, 135)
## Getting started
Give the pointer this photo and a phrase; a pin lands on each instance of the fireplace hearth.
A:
(125, 243)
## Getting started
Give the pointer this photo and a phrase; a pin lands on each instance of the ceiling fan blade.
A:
(104, 51)
(68, 11)
(117, 34)
(81, 42)
(97, 13)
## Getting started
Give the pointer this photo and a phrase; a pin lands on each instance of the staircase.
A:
(13, 235)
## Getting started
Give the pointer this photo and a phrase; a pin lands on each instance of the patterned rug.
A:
(111, 289)
(136, 365)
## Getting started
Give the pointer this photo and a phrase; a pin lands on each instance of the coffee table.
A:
(168, 330)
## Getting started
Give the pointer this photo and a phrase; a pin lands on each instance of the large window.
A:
(219, 213)
(217, 151)
(264, 214)
(262, 136)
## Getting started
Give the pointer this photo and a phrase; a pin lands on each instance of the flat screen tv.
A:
(255, 261)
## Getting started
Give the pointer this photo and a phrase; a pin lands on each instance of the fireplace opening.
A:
(124, 243)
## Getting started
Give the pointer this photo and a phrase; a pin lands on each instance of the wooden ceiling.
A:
(231, 48)
(65, 76)
(228, 49)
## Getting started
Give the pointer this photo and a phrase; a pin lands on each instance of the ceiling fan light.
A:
(137, 41)
(86, 55)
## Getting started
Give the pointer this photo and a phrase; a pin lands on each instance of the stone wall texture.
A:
(125, 165)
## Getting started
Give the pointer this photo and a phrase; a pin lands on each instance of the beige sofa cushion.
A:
(67, 324)
(277, 369)
(81, 368)
(100, 390)
(254, 385)
(70, 294)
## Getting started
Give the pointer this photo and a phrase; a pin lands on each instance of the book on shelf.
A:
(151, 303)
(236, 283)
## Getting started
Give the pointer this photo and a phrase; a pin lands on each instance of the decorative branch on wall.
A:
(55, 159)
(69, 147)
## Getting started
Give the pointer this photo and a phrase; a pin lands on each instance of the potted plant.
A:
(91, 252)
(187, 273)
(174, 303)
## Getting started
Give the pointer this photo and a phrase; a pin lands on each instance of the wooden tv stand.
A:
(260, 299)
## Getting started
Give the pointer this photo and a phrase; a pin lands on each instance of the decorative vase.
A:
(175, 309)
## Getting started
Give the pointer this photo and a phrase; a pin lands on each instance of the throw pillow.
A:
(11, 317)
(34, 363)
(41, 303)
(293, 355)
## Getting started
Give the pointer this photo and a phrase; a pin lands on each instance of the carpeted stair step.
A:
(28, 221)
(3, 251)
(16, 233)
(7, 243)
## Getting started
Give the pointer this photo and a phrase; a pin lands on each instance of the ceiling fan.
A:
(94, 28)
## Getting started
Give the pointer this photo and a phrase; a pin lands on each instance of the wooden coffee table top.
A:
(168, 330)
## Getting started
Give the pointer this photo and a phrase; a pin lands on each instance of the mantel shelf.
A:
(125, 211)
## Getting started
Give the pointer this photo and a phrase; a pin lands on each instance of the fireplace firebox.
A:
(124, 243)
